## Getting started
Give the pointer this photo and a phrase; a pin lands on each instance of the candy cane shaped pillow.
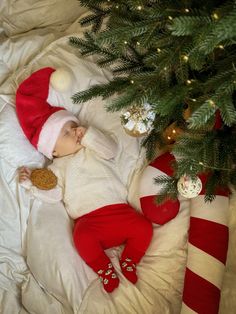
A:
(159, 214)
(207, 251)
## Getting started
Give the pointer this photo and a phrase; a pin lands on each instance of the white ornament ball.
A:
(61, 80)
(188, 187)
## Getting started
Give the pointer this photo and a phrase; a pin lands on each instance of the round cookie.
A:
(43, 179)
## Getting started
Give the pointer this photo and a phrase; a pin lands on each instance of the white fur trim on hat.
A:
(51, 129)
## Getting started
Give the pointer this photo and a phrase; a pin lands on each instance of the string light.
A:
(125, 42)
(185, 58)
(138, 43)
(186, 10)
(215, 16)
(158, 50)
(117, 7)
(165, 68)
(174, 131)
(221, 46)
(210, 167)
(170, 17)
(189, 82)
(193, 99)
(139, 7)
(169, 138)
(211, 103)
(132, 82)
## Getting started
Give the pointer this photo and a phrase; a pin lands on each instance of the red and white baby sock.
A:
(108, 278)
(128, 268)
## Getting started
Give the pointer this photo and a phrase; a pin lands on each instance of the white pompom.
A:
(61, 80)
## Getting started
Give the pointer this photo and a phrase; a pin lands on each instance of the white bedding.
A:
(47, 277)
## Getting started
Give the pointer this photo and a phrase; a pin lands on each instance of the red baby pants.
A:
(111, 226)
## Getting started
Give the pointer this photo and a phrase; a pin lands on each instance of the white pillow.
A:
(14, 146)
(20, 16)
(52, 257)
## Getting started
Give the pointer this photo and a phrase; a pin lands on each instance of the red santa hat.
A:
(40, 121)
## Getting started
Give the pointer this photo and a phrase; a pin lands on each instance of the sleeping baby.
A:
(83, 160)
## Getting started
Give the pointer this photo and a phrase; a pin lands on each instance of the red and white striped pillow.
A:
(207, 252)
(159, 214)
(207, 242)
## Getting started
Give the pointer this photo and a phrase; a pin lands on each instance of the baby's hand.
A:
(24, 173)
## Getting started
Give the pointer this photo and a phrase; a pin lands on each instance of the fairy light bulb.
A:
(186, 10)
(169, 138)
(215, 16)
(117, 7)
(221, 46)
(189, 82)
(139, 7)
(194, 100)
(131, 81)
(185, 58)
(174, 131)
(211, 103)
(170, 17)
(138, 43)
(158, 50)
(125, 42)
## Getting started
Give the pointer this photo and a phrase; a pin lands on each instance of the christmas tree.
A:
(179, 57)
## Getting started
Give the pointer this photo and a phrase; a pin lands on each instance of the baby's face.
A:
(69, 139)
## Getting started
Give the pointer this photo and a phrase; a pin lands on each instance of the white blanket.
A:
(40, 270)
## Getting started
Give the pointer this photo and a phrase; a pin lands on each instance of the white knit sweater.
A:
(89, 178)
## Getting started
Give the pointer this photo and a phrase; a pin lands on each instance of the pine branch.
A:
(105, 90)
(88, 46)
(150, 143)
(124, 33)
(187, 25)
(202, 115)
(168, 188)
(170, 102)
(223, 30)
(197, 59)
(227, 110)
(132, 96)
(100, 12)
